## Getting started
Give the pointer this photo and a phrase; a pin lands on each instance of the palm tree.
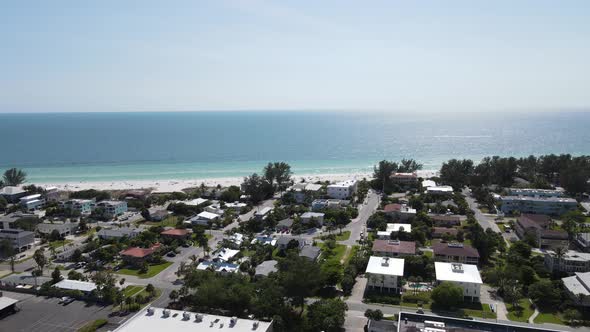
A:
(14, 177)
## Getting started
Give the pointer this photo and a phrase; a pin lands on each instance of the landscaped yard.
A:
(547, 317)
(484, 312)
(169, 221)
(343, 237)
(336, 253)
(132, 290)
(152, 270)
(521, 312)
(58, 244)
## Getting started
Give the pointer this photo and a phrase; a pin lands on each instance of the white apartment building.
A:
(465, 276)
(571, 262)
(393, 228)
(385, 273)
(32, 202)
(531, 192)
(342, 190)
(555, 206)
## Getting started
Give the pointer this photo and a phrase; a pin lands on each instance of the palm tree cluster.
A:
(13, 177)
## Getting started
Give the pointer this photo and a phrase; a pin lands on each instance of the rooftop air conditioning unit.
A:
(186, 316)
(198, 318)
(255, 325)
(150, 311)
(166, 313)
(233, 321)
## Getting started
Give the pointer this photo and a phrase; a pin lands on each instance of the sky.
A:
(477, 56)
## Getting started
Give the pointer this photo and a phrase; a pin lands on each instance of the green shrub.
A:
(93, 326)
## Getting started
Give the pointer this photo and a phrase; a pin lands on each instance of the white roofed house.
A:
(224, 254)
(465, 276)
(32, 202)
(439, 190)
(204, 218)
(578, 288)
(262, 213)
(12, 194)
(311, 217)
(342, 190)
(385, 273)
(393, 228)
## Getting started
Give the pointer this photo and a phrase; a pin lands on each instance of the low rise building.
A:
(9, 221)
(158, 319)
(265, 268)
(112, 208)
(439, 191)
(393, 228)
(393, 248)
(284, 242)
(414, 322)
(264, 240)
(439, 232)
(428, 183)
(323, 204)
(118, 233)
(224, 254)
(204, 219)
(583, 241)
(578, 288)
(537, 227)
(455, 253)
(136, 256)
(312, 217)
(401, 211)
(219, 267)
(301, 191)
(84, 286)
(84, 206)
(196, 202)
(159, 215)
(533, 192)
(21, 240)
(176, 233)
(342, 190)
(310, 252)
(64, 229)
(465, 276)
(284, 224)
(554, 206)
(12, 194)
(441, 220)
(570, 262)
(32, 202)
(404, 178)
(262, 213)
(384, 273)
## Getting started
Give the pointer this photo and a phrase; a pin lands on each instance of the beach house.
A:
(394, 248)
(455, 252)
(465, 276)
(112, 208)
(342, 190)
(32, 202)
(384, 273)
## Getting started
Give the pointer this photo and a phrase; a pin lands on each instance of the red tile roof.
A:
(140, 252)
(175, 232)
(399, 247)
(448, 249)
(392, 207)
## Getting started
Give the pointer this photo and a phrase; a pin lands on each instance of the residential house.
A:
(537, 227)
(215, 208)
(204, 219)
(393, 228)
(284, 224)
(439, 191)
(554, 206)
(404, 179)
(21, 240)
(384, 325)
(224, 254)
(570, 262)
(385, 273)
(465, 276)
(159, 215)
(310, 252)
(301, 191)
(64, 229)
(445, 220)
(342, 190)
(112, 208)
(455, 253)
(235, 206)
(176, 233)
(393, 248)
(136, 256)
(283, 242)
(196, 202)
(264, 240)
(323, 204)
(312, 218)
(118, 233)
(84, 206)
(428, 183)
(12, 194)
(262, 213)
(265, 268)
(578, 288)
(32, 202)
(52, 194)
(68, 252)
(401, 211)
(219, 267)
(236, 239)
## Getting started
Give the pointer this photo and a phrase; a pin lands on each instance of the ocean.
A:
(71, 147)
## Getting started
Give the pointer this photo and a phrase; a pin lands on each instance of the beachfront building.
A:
(84, 206)
(64, 229)
(570, 262)
(118, 233)
(465, 276)
(342, 190)
(312, 218)
(404, 179)
(19, 239)
(301, 191)
(384, 273)
(532, 192)
(455, 253)
(400, 211)
(439, 190)
(554, 206)
(204, 219)
(158, 319)
(393, 248)
(393, 228)
(323, 204)
(12, 194)
(112, 208)
(578, 288)
(537, 226)
(32, 202)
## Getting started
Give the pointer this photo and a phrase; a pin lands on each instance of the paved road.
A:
(359, 224)
(484, 220)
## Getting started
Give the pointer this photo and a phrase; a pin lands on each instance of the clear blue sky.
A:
(63, 56)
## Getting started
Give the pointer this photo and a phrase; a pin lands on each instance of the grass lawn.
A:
(93, 326)
(152, 270)
(132, 290)
(521, 312)
(428, 253)
(485, 312)
(352, 253)
(57, 244)
(169, 221)
(335, 254)
(548, 317)
(343, 237)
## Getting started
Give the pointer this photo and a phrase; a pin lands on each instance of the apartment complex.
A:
(455, 253)
(384, 273)
(554, 206)
(465, 276)
(342, 190)
(20, 239)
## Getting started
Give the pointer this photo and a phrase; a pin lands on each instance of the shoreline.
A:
(169, 185)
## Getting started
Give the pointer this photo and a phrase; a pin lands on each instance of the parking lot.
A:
(40, 314)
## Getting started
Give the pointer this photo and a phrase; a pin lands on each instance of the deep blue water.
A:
(62, 147)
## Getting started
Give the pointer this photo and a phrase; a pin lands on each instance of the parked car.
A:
(171, 254)
(66, 300)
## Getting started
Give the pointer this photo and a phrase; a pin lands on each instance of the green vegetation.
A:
(343, 237)
(153, 269)
(170, 221)
(552, 318)
(521, 311)
(132, 290)
(332, 254)
(59, 243)
(93, 326)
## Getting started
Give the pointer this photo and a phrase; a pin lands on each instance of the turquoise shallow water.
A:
(62, 147)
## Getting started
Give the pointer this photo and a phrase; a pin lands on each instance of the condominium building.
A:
(384, 273)
(537, 227)
(465, 276)
(394, 248)
(578, 288)
(342, 190)
(84, 206)
(32, 202)
(455, 253)
(570, 262)
(554, 206)
(404, 178)
(64, 229)
(20, 239)
(531, 192)
(112, 208)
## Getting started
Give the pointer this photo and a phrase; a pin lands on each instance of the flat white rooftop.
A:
(207, 215)
(264, 211)
(457, 272)
(386, 266)
(181, 321)
(343, 184)
(428, 183)
(83, 286)
(5, 302)
(195, 202)
(578, 284)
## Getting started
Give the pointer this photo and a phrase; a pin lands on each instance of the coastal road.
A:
(359, 224)
(485, 221)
